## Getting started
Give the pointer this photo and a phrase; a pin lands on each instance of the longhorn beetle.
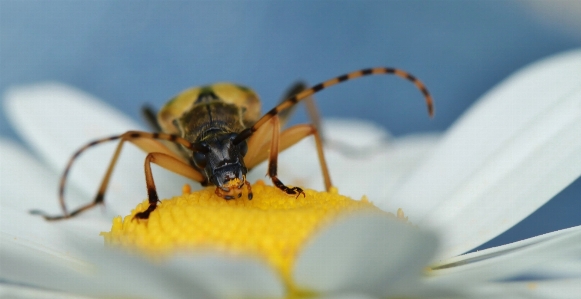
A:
(219, 136)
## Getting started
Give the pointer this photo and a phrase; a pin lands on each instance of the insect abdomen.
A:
(187, 101)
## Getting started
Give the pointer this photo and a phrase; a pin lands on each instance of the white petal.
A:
(348, 296)
(20, 229)
(33, 250)
(534, 167)
(379, 174)
(513, 151)
(23, 292)
(186, 277)
(509, 260)
(569, 267)
(545, 289)
(30, 268)
(25, 185)
(29, 263)
(116, 274)
(56, 120)
(353, 134)
(365, 253)
(229, 277)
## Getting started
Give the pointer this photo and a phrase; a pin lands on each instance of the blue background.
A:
(130, 53)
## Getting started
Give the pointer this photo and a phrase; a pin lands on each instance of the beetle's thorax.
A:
(205, 120)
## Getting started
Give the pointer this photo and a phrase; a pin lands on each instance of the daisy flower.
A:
(515, 149)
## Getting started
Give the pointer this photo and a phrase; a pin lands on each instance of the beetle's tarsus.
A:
(290, 191)
(145, 214)
(48, 217)
(295, 190)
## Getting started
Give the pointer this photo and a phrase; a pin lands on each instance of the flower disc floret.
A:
(272, 226)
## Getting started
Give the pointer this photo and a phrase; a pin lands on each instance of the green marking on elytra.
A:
(244, 88)
(207, 89)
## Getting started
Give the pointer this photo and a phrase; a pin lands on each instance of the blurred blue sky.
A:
(129, 53)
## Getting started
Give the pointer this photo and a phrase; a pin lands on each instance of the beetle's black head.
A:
(222, 162)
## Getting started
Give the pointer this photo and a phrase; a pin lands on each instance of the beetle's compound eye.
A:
(243, 148)
(232, 136)
(200, 159)
(201, 147)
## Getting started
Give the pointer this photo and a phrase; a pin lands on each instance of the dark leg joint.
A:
(152, 196)
(99, 198)
(291, 191)
(249, 188)
(153, 200)
(145, 214)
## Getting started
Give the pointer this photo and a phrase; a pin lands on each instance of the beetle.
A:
(216, 136)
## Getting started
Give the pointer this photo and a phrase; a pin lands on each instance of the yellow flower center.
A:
(273, 225)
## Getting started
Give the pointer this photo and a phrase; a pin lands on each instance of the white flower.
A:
(513, 151)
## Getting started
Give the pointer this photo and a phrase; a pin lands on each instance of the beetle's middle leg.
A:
(279, 141)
